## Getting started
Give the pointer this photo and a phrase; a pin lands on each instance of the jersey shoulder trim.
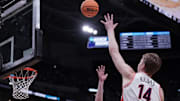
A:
(160, 93)
(126, 85)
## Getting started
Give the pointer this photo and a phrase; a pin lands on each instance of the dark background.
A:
(68, 68)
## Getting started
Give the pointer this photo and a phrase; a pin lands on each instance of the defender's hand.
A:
(100, 72)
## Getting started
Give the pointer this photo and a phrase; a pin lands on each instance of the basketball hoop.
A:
(21, 81)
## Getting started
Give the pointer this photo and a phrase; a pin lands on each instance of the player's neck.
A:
(146, 74)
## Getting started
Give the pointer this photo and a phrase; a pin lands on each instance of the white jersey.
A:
(141, 88)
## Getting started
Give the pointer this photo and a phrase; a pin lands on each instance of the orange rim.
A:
(27, 69)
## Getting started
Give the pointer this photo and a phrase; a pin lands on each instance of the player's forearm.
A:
(99, 95)
(113, 46)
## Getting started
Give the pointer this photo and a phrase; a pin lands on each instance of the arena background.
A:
(67, 68)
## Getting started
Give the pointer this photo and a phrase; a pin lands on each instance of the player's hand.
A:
(101, 73)
(108, 23)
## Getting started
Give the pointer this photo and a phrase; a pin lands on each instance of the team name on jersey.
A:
(147, 80)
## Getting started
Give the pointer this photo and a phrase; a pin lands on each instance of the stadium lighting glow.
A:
(92, 90)
(90, 30)
(95, 32)
(85, 28)
(178, 90)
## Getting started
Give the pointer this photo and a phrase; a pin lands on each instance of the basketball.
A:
(89, 8)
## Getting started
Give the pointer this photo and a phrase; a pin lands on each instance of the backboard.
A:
(21, 38)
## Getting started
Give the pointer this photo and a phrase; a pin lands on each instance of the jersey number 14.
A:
(146, 95)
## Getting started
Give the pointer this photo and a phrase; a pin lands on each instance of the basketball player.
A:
(102, 77)
(136, 86)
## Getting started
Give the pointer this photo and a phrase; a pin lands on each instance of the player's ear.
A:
(143, 65)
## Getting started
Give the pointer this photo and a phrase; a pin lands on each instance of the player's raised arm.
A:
(102, 77)
(125, 70)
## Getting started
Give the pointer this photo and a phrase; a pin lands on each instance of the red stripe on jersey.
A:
(122, 98)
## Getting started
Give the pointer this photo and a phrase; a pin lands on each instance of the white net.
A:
(21, 82)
